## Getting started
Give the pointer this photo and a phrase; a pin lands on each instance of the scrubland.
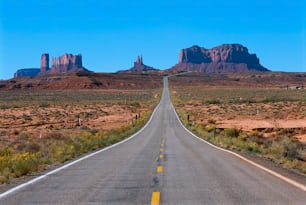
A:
(268, 122)
(40, 129)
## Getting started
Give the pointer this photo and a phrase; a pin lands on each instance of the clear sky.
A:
(111, 33)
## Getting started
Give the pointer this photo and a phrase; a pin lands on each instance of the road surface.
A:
(163, 164)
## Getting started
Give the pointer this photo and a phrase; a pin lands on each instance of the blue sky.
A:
(110, 34)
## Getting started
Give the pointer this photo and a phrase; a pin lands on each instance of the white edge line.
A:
(286, 179)
(21, 186)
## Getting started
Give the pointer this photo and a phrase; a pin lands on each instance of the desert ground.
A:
(244, 101)
(51, 111)
(270, 115)
(41, 127)
(235, 108)
(51, 119)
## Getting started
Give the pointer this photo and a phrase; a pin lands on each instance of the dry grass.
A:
(38, 129)
(267, 122)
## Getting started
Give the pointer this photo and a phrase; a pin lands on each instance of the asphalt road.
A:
(162, 164)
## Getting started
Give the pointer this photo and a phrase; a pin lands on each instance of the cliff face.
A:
(220, 59)
(139, 66)
(66, 63)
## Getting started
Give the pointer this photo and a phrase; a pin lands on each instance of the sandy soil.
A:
(289, 115)
(34, 121)
(249, 124)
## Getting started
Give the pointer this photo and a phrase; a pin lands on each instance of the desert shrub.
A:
(295, 164)
(285, 132)
(32, 147)
(210, 128)
(55, 135)
(276, 151)
(44, 105)
(5, 176)
(26, 117)
(21, 146)
(135, 104)
(231, 132)
(211, 121)
(243, 137)
(253, 147)
(259, 139)
(22, 164)
(62, 152)
(291, 148)
(239, 143)
(212, 101)
(6, 151)
(254, 133)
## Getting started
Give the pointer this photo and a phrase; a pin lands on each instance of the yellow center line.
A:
(159, 169)
(161, 149)
(161, 156)
(155, 198)
(162, 145)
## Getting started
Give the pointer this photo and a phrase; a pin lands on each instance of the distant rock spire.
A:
(139, 60)
(44, 62)
(139, 67)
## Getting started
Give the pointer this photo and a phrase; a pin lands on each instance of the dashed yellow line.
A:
(161, 149)
(159, 169)
(161, 156)
(155, 198)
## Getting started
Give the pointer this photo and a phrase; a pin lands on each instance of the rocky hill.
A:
(83, 80)
(139, 67)
(220, 59)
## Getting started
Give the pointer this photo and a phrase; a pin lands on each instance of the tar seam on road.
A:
(289, 181)
(21, 186)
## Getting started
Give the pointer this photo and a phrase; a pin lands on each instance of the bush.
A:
(211, 121)
(32, 147)
(231, 132)
(253, 147)
(291, 148)
(22, 164)
(209, 128)
(212, 101)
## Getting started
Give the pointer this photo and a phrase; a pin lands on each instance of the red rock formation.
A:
(66, 63)
(138, 61)
(27, 72)
(138, 67)
(220, 59)
(44, 63)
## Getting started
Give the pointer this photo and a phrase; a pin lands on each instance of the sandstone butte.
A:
(221, 59)
(67, 63)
